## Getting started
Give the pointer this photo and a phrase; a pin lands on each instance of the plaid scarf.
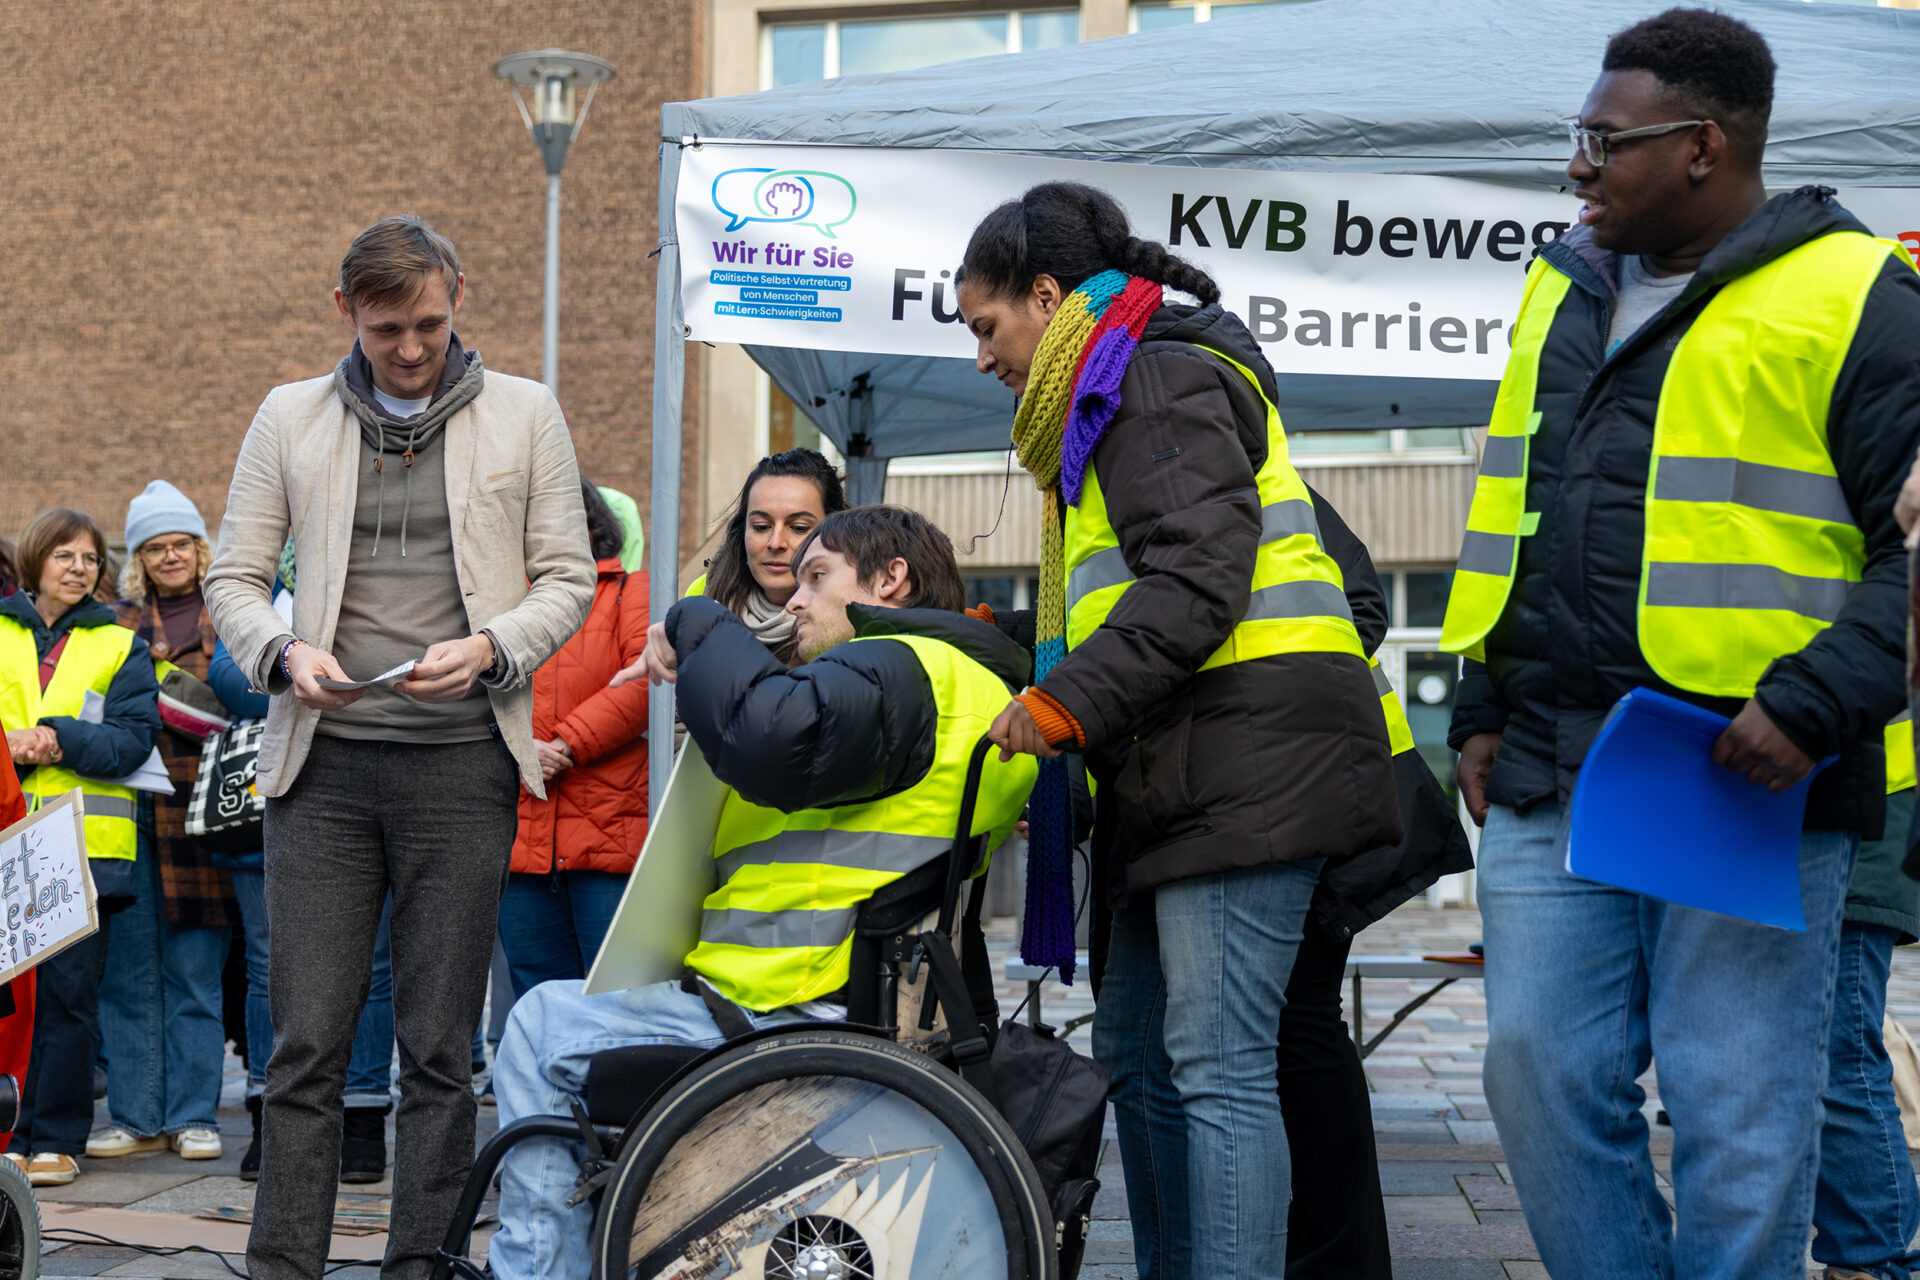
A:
(197, 893)
(1073, 391)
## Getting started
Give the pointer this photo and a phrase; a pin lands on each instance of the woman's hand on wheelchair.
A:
(1015, 733)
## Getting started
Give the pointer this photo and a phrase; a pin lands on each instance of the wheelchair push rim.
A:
(823, 1154)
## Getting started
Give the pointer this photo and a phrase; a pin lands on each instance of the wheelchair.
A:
(830, 1151)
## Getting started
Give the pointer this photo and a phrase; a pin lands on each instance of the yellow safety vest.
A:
(91, 659)
(1750, 547)
(779, 930)
(699, 588)
(1399, 732)
(1899, 740)
(1299, 602)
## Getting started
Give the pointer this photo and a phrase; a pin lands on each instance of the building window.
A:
(1157, 15)
(796, 52)
(1425, 596)
(1434, 442)
(1003, 592)
(1416, 598)
(795, 55)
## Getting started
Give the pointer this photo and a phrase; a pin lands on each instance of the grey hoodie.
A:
(460, 382)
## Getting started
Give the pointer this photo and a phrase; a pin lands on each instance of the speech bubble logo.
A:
(807, 197)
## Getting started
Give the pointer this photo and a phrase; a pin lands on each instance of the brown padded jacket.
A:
(1279, 759)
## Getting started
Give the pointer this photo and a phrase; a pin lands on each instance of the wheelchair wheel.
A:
(19, 1225)
(825, 1154)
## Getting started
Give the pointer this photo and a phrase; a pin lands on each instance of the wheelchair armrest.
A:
(621, 1081)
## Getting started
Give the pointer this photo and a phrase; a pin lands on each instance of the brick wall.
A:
(179, 180)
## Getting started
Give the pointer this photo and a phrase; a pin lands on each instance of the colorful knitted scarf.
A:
(1073, 391)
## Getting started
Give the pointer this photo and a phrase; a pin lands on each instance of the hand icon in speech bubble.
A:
(809, 197)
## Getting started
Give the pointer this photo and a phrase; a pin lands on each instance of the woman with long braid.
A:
(1195, 644)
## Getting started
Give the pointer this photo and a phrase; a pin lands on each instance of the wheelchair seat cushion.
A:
(620, 1081)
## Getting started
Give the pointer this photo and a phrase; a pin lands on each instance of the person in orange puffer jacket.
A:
(575, 848)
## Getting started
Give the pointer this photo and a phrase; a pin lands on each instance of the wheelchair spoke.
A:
(819, 1247)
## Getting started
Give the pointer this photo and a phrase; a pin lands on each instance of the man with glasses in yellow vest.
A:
(1688, 485)
(847, 773)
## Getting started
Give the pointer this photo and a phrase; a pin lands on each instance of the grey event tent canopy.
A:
(1457, 88)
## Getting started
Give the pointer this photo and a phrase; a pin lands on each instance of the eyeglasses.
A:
(157, 551)
(1596, 146)
(67, 559)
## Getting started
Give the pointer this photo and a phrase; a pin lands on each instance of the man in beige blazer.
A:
(436, 518)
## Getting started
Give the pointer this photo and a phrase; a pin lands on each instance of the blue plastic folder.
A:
(1654, 814)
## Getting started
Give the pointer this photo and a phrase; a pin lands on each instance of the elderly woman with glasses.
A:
(78, 702)
(160, 1001)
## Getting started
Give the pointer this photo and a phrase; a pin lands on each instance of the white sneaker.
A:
(197, 1144)
(115, 1141)
(50, 1169)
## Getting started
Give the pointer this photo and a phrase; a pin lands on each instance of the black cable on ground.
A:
(161, 1251)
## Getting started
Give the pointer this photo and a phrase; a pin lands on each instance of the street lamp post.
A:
(554, 120)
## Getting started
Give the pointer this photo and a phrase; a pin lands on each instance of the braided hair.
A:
(1069, 231)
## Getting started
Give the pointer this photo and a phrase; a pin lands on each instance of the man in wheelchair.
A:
(847, 773)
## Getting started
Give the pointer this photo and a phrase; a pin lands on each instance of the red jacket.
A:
(16, 1029)
(595, 815)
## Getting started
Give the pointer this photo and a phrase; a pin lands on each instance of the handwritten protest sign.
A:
(46, 893)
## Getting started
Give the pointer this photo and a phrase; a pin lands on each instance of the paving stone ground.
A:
(1451, 1207)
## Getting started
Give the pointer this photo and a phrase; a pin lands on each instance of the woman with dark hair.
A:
(784, 497)
(80, 705)
(574, 849)
(1195, 643)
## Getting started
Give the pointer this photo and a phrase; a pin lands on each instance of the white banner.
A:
(853, 249)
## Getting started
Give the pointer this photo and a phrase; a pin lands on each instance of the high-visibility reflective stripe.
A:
(1101, 569)
(1504, 458)
(1487, 552)
(1903, 718)
(1108, 568)
(1753, 484)
(1287, 519)
(1301, 599)
(857, 850)
(1745, 586)
(795, 928)
(1381, 685)
(108, 807)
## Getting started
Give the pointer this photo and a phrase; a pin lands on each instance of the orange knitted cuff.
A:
(1055, 722)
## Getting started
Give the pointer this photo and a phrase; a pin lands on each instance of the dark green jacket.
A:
(1880, 891)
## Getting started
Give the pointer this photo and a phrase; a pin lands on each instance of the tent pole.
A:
(669, 405)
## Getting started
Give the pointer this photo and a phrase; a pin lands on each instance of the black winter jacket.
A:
(1279, 759)
(855, 724)
(1567, 647)
(1358, 891)
(130, 720)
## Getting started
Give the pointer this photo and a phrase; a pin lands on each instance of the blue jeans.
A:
(552, 925)
(552, 1034)
(370, 1070)
(160, 1012)
(1588, 984)
(1866, 1208)
(1187, 1029)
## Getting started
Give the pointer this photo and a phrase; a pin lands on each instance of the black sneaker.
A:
(363, 1145)
(250, 1162)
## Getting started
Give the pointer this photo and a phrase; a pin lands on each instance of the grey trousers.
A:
(435, 826)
